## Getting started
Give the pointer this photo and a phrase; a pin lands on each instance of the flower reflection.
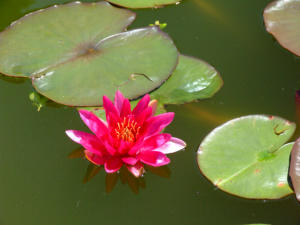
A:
(125, 177)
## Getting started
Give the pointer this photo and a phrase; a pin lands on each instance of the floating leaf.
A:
(246, 156)
(72, 63)
(193, 79)
(145, 52)
(282, 19)
(53, 36)
(143, 3)
(295, 168)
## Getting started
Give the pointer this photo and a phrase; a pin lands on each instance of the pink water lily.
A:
(129, 137)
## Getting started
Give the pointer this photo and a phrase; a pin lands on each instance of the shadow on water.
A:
(126, 178)
(13, 80)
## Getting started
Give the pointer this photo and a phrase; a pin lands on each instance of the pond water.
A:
(41, 185)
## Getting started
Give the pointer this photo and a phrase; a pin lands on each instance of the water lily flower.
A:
(127, 137)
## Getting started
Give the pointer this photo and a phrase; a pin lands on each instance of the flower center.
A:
(127, 130)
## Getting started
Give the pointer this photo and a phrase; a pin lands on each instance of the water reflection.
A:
(126, 178)
(207, 115)
(209, 8)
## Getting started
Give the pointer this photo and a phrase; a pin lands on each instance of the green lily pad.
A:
(192, 80)
(282, 19)
(52, 36)
(143, 3)
(66, 52)
(246, 156)
(295, 168)
(135, 62)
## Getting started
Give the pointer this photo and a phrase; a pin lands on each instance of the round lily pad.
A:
(192, 80)
(52, 36)
(247, 156)
(74, 59)
(295, 168)
(143, 3)
(282, 19)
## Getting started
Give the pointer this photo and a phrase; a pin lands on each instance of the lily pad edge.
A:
(146, 7)
(196, 99)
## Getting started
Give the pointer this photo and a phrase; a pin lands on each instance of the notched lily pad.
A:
(247, 156)
(66, 52)
(135, 62)
(192, 80)
(282, 19)
(143, 3)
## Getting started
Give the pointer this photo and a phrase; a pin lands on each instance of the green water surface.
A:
(41, 186)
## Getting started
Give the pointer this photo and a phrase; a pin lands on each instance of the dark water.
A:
(41, 186)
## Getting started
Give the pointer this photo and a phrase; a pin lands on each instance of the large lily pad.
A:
(66, 52)
(51, 36)
(282, 19)
(246, 156)
(135, 62)
(193, 79)
(143, 3)
(295, 168)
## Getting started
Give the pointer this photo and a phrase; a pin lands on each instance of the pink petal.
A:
(130, 160)
(154, 158)
(108, 147)
(124, 147)
(119, 99)
(126, 108)
(173, 145)
(88, 141)
(109, 107)
(157, 123)
(142, 104)
(96, 125)
(112, 119)
(144, 115)
(155, 141)
(96, 159)
(153, 105)
(136, 147)
(136, 170)
(113, 164)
